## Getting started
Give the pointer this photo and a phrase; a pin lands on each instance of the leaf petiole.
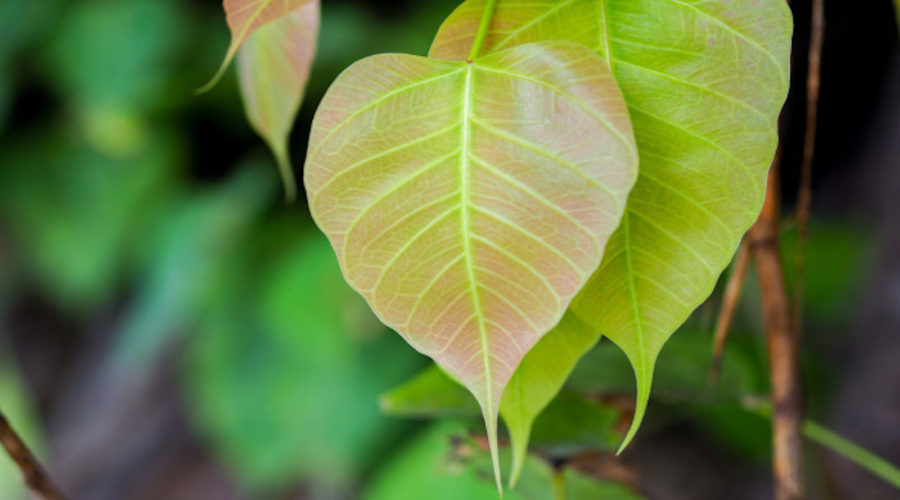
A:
(482, 30)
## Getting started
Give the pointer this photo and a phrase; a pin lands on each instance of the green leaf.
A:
(704, 83)
(273, 67)
(469, 202)
(55, 190)
(443, 464)
(572, 424)
(539, 378)
(431, 393)
(244, 17)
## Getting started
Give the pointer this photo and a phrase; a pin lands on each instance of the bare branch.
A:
(32, 472)
(783, 348)
(804, 197)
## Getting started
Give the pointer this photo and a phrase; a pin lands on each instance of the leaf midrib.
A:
(465, 188)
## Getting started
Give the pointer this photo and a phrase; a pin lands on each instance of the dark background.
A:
(158, 300)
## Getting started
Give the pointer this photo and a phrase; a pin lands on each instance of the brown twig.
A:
(35, 476)
(729, 305)
(783, 348)
(804, 197)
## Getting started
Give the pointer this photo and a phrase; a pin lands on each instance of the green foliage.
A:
(113, 86)
(285, 382)
(104, 200)
(443, 464)
(842, 252)
(196, 237)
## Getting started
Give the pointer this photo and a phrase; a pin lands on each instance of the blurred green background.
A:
(170, 328)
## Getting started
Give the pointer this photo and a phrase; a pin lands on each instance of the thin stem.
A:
(729, 305)
(783, 347)
(483, 28)
(35, 476)
(804, 197)
(853, 452)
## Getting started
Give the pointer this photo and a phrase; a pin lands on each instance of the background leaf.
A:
(244, 17)
(273, 67)
(442, 463)
(466, 219)
(277, 371)
(704, 83)
(539, 378)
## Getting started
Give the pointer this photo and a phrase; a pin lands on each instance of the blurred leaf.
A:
(286, 369)
(73, 213)
(5, 94)
(22, 22)
(570, 423)
(835, 263)
(683, 369)
(443, 464)
(431, 393)
(733, 428)
(108, 58)
(273, 66)
(191, 246)
(573, 424)
(244, 18)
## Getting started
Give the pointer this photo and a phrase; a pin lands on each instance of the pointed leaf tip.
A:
(273, 69)
(643, 382)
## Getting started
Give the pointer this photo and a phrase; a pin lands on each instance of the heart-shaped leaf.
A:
(246, 16)
(470, 202)
(273, 67)
(704, 82)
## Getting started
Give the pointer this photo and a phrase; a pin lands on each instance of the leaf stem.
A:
(853, 452)
(483, 28)
(559, 483)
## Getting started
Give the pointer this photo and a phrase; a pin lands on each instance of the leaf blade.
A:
(273, 68)
(244, 17)
(539, 378)
(717, 58)
(417, 172)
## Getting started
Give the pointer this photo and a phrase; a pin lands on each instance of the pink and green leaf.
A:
(273, 68)
(244, 17)
(470, 202)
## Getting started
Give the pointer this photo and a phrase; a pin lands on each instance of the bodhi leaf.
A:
(273, 67)
(704, 82)
(469, 202)
(245, 17)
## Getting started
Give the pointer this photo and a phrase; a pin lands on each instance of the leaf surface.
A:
(244, 17)
(273, 67)
(704, 82)
(469, 203)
